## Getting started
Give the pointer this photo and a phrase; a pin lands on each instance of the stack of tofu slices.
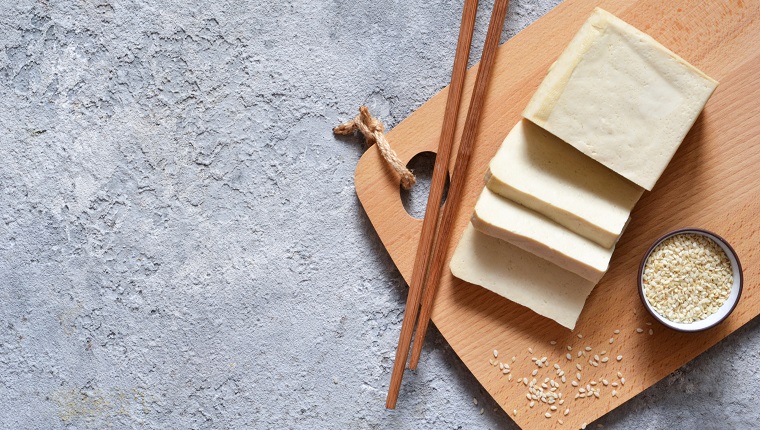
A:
(599, 130)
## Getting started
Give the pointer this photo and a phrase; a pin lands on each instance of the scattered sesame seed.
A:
(569, 348)
(593, 382)
(567, 411)
(639, 330)
(583, 426)
(525, 381)
(596, 357)
(562, 401)
(505, 371)
(490, 361)
(588, 348)
(514, 359)
(495, 353)
(578, 375)
(619, 375)
(560, 422)
(603, 352)
(581, 390)
(554, 342)
(596, 394)
(614, 393)
(617, 331)
(481, 411)
(622, 381)
(651, 332)
(510, 377)
(568, 356)
(514, 412)
(619, 357)
(605, 382)
(612, 339)
(535, 372)
(554, 408)
(580, 353)
(532, 403)
(556, 366)
(530, 350)
(574, 384)
(580, 336)
(614, 384)
(578, 366)
(563, 379)
(548, 415)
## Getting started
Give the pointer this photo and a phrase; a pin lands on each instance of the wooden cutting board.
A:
(713, 182)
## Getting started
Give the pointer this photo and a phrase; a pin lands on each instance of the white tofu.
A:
(533, 232)
(621, 98)
(520, 276)
(538, 170)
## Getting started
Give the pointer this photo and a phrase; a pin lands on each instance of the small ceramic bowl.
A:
(724, 311)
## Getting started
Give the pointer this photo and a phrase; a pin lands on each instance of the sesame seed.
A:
(556, 366)
(548, 415)
(596, 394)
(535, 372)
(554, 408)
(578, 366)
(505, 371)
(603, 352)
(514, 359)
(580, 353)
(583, 426)
(563, 379)
(481, 411)
(578, 375)
(568, 356)
(554, 342)
(619, 357)
(528, 395)
(532, 403)
(574, 384)
(617, 331)
(605, 359)
(530, 350)
(560, 422)
(525, 381)
(593, 382)
(569, 348)
(514, 412)
(580, 336)
(614, 384)
(510, 378)
(614, 393)
(490, 361)
(596, 357)
(605, 382)
(567, 411)
(588, 348)
(495, 353)
(562, 401)
(639, 330)
(612, 339)
(475, 401)
(651, 332)
(622, 381)
(581, 390)
(619, 375)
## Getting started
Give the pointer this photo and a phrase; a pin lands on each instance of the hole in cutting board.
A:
(415, 200)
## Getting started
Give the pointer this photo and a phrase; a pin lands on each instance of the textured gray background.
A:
(181, 245)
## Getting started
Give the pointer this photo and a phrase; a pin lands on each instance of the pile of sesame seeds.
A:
(554, 387)
(687, 278)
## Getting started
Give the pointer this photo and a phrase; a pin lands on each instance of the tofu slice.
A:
(520, 276)
(533, 232)
(538, 170)
(621, 98)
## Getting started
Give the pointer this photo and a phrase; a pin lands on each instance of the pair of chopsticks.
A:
(430, 275)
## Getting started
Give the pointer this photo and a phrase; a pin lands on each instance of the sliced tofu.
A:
(621, 98)
(520, 276)
(538, 170)
(533, 232)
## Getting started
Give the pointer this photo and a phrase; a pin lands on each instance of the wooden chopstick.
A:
(460, 169)
(432, 210)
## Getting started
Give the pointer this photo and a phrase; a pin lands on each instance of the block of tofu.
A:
(520, 276)
(621, 98)
(538, 170)
(506, 220)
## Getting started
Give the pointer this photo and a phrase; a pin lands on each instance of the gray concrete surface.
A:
(181, 245)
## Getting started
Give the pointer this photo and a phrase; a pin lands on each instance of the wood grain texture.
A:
(713, 182)
(435, 198)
